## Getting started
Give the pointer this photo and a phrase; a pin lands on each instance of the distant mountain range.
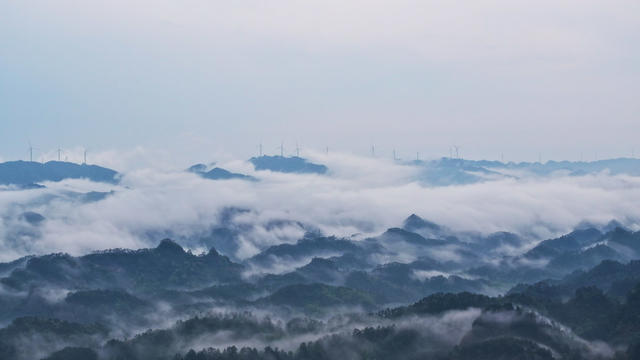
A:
(441, 172)
(450, 171)
(218, 173)
(27, 174)
(284, 164)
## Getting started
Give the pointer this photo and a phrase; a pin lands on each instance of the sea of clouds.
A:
(360, 195)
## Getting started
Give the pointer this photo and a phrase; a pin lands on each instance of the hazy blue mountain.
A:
(73, 353)
(584, 249)
(415, 222)
(447, 171)
(333, 270)
(222, 174)
(511, 321)
(123, 291)
(610, 276)
(573, 241)
(51, 334)
(163, 344)
(164, 267)
(29, 186)
(218, 173)
(509, 327)
(99, 299)
(6, 268)
(239, 291)
(318, 297)
(284, 164)
(396, 235)
(27, 173)
(225, 235)
(555, 258)
(305, 249)
(584, 259)
(452, 171)
(398, 283)
(93, 196)
(628, 166)
(438, 303)
(32, 217)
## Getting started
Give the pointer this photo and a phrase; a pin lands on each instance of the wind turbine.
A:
(31, 148)
(373, 151)
(281, 148)
(85, 157)
(457, 149)
(297, 150)
(59, 151)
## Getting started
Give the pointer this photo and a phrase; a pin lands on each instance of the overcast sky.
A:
(549, 78)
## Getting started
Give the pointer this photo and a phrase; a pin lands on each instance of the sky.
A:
(200, 80)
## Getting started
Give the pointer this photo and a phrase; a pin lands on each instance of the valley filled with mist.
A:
(324, 257)
(319, 180)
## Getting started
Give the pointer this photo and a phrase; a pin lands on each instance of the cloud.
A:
(360, 195)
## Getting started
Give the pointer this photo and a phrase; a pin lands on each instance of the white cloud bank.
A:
(360, 195)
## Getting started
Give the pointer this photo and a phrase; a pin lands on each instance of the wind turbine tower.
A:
(297, 150)
(59, 151)
(85, 156)
(373, 151)
(282, 149)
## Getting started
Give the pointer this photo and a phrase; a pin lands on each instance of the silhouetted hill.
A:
(316, 297)
(166, 266)
(73, 353)
(305, 248)
(452, 171)
(218, 173)
(26, 173)
(610, 276)
(283, 164)
(573, 241)
(415, 222)
(45, 336)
